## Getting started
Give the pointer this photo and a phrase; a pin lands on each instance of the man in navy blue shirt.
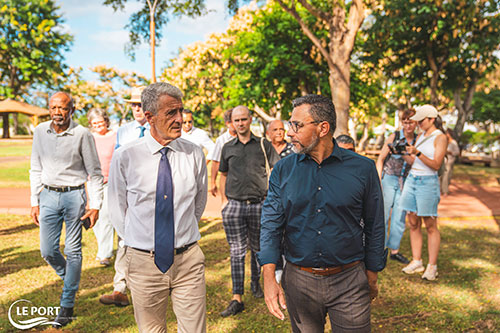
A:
(327, 201)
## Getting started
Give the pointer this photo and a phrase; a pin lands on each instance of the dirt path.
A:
(465, 201)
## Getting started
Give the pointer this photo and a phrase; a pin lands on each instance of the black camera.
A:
(398, 147)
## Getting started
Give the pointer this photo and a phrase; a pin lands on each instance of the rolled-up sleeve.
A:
(373, 217)
(117, 194)
(93, 168)
(272, 222)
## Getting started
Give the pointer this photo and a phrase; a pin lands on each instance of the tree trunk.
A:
(364, 137)
(339, 81)
(152, 35)
(15, 122)
(6, 133)
(464, 107)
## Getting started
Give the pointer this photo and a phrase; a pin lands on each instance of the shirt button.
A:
(319, 210)
(319, 232)
(319, 188)
(319, 166)
(320, 254)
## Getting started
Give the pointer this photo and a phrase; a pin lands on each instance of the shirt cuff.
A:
(35, 200)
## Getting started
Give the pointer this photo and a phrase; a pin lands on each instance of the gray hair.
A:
(68, 95)
(152, 93)
(96, 113)
(322, 109)
(345, 139)
(272, 121)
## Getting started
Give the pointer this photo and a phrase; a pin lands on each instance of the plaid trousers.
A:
(241, 223)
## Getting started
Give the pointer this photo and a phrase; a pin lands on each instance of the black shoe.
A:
(64, 317)
(256, 289)
(234, 307)
(399, 257)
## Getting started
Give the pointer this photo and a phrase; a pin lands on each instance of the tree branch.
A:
(261, 113)
(316, 41)
(356, 18)
(315, 11)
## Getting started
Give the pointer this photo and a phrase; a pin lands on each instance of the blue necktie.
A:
(164, 215)
(143, 129)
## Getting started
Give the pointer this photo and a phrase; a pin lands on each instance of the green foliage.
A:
(32, 43)
(478, 137)
(138, 24)
(450, 42)
(273, 62)
(487, 106)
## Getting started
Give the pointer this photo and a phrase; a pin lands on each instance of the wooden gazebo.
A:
(12, 106)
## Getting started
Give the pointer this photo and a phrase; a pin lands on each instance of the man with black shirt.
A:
(243, 184)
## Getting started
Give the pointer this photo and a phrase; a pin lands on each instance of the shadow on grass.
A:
(464, 292)
(19, 228)
(15, 262)
(91, 316)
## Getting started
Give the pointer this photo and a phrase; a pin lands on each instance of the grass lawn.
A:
(15, 174)
(466, 296)
(15, 147)
(476, 175)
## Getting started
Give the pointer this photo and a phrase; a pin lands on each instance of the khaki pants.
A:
(184, 282)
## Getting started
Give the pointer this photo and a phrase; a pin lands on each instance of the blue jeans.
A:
(421, 195)
(392, 195)
(56, 207)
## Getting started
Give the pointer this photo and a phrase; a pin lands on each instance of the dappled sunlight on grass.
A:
(465, 297)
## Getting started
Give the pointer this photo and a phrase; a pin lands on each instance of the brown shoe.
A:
(117, 298)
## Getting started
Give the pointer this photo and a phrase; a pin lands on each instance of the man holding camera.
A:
(393, 167)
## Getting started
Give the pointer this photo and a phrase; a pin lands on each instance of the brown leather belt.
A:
(328, 270)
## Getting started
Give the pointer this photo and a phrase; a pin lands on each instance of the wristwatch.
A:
(418, 154)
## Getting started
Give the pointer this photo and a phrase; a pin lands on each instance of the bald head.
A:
(242, 120)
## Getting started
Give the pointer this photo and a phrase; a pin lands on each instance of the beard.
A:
(309, 148)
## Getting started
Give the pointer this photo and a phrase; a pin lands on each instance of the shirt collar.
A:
(252, 137)
(137, 125)
(155, 147)
(69, 131)
(336, 153)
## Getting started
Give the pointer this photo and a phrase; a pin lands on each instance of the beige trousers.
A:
(184, 282)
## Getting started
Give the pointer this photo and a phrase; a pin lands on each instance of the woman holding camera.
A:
(420, 197)
(393, 167)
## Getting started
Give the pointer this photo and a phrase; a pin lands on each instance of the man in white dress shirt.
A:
(194, 134)
(136, 128)
(127, 133)
(214, 156)
(157, 194)
(62, 159)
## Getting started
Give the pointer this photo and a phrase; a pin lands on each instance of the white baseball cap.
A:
(425, 111)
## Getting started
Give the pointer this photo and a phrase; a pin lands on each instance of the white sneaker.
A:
(431, 273)
(415, 266)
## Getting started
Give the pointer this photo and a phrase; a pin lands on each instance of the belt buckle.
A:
(317, 269)
(248, 202)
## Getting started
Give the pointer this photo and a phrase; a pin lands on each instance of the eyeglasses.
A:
(136, 105)
(297, 125)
